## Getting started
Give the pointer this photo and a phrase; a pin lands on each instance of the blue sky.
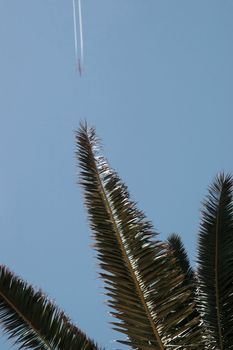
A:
(158, 87)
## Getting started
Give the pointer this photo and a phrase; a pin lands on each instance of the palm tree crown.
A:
(158, 300)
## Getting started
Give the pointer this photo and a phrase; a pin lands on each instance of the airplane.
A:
(80, 67)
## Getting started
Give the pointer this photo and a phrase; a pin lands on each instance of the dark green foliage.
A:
(33, 321)
(158, 300)
(143, 280)
(215, 258)
(180, 254)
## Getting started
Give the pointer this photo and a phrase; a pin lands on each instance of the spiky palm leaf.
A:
(181, 255)
(215, 258)
(143, 280)
(176, 245)
(33, 321)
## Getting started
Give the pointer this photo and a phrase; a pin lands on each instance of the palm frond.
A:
(143, 281)
(176, 244)
(215, 259)
(34, 322)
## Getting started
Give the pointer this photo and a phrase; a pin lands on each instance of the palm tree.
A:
(158, 300)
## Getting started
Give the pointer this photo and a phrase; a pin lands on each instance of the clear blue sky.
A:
(158, 86)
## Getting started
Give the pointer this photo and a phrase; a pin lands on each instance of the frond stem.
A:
(217, 282)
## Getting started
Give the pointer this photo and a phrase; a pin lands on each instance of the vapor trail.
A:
(75, 31)
(80, 30)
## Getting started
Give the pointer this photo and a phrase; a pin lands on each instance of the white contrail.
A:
(80, 30)
(75, 31)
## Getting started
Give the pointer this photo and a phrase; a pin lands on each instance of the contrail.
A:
(80, 30)
(75, 31)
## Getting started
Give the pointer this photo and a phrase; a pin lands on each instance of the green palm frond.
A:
(176, 245)
(215, 259)
(143, 280)
(181, 255)
(34, 322)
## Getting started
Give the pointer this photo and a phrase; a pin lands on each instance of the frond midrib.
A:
(216, 277)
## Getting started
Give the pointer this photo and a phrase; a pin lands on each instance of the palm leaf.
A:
(181, 255)
(33, 321)
(176, 245)
(143, 281)
(215, 259)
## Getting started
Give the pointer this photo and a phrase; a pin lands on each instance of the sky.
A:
(157, 85)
